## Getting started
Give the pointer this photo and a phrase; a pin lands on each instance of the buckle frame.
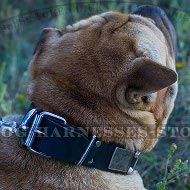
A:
(34, 130)
(87, 150)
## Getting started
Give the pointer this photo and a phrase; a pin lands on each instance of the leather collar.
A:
(51, 136)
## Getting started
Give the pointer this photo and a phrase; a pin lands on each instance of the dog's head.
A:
(113, 74)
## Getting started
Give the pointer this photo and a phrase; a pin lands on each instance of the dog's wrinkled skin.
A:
(109, 74)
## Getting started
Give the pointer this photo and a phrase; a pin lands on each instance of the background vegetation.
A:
(21, 23)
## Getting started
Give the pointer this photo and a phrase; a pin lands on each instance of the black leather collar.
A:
(51, 136)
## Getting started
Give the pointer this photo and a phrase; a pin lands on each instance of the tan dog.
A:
(111, 74)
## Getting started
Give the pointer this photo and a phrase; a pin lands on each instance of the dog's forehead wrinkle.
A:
(86, 22)
(147, 22)
(150, 46)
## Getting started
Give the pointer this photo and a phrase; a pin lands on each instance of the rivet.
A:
(137, 154)
(130, 170)
(90, 161)
(24, 128)
(98, 143)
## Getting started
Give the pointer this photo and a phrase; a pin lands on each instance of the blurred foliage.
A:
(178, 169)
(21, 23)
(5, 102)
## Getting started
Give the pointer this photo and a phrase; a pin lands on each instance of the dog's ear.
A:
(147, 76)
(47, 33)
(162, 22)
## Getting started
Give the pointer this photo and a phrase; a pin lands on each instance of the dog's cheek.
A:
(169, 102)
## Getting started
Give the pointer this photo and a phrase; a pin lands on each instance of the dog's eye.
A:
(133, 100)
(145, 99)
(132, 97)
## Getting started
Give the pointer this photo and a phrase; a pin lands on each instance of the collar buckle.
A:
(34, 130)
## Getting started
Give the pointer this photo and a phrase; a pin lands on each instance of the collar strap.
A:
(51, 136)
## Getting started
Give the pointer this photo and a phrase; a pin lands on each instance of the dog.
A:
(109, 74)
